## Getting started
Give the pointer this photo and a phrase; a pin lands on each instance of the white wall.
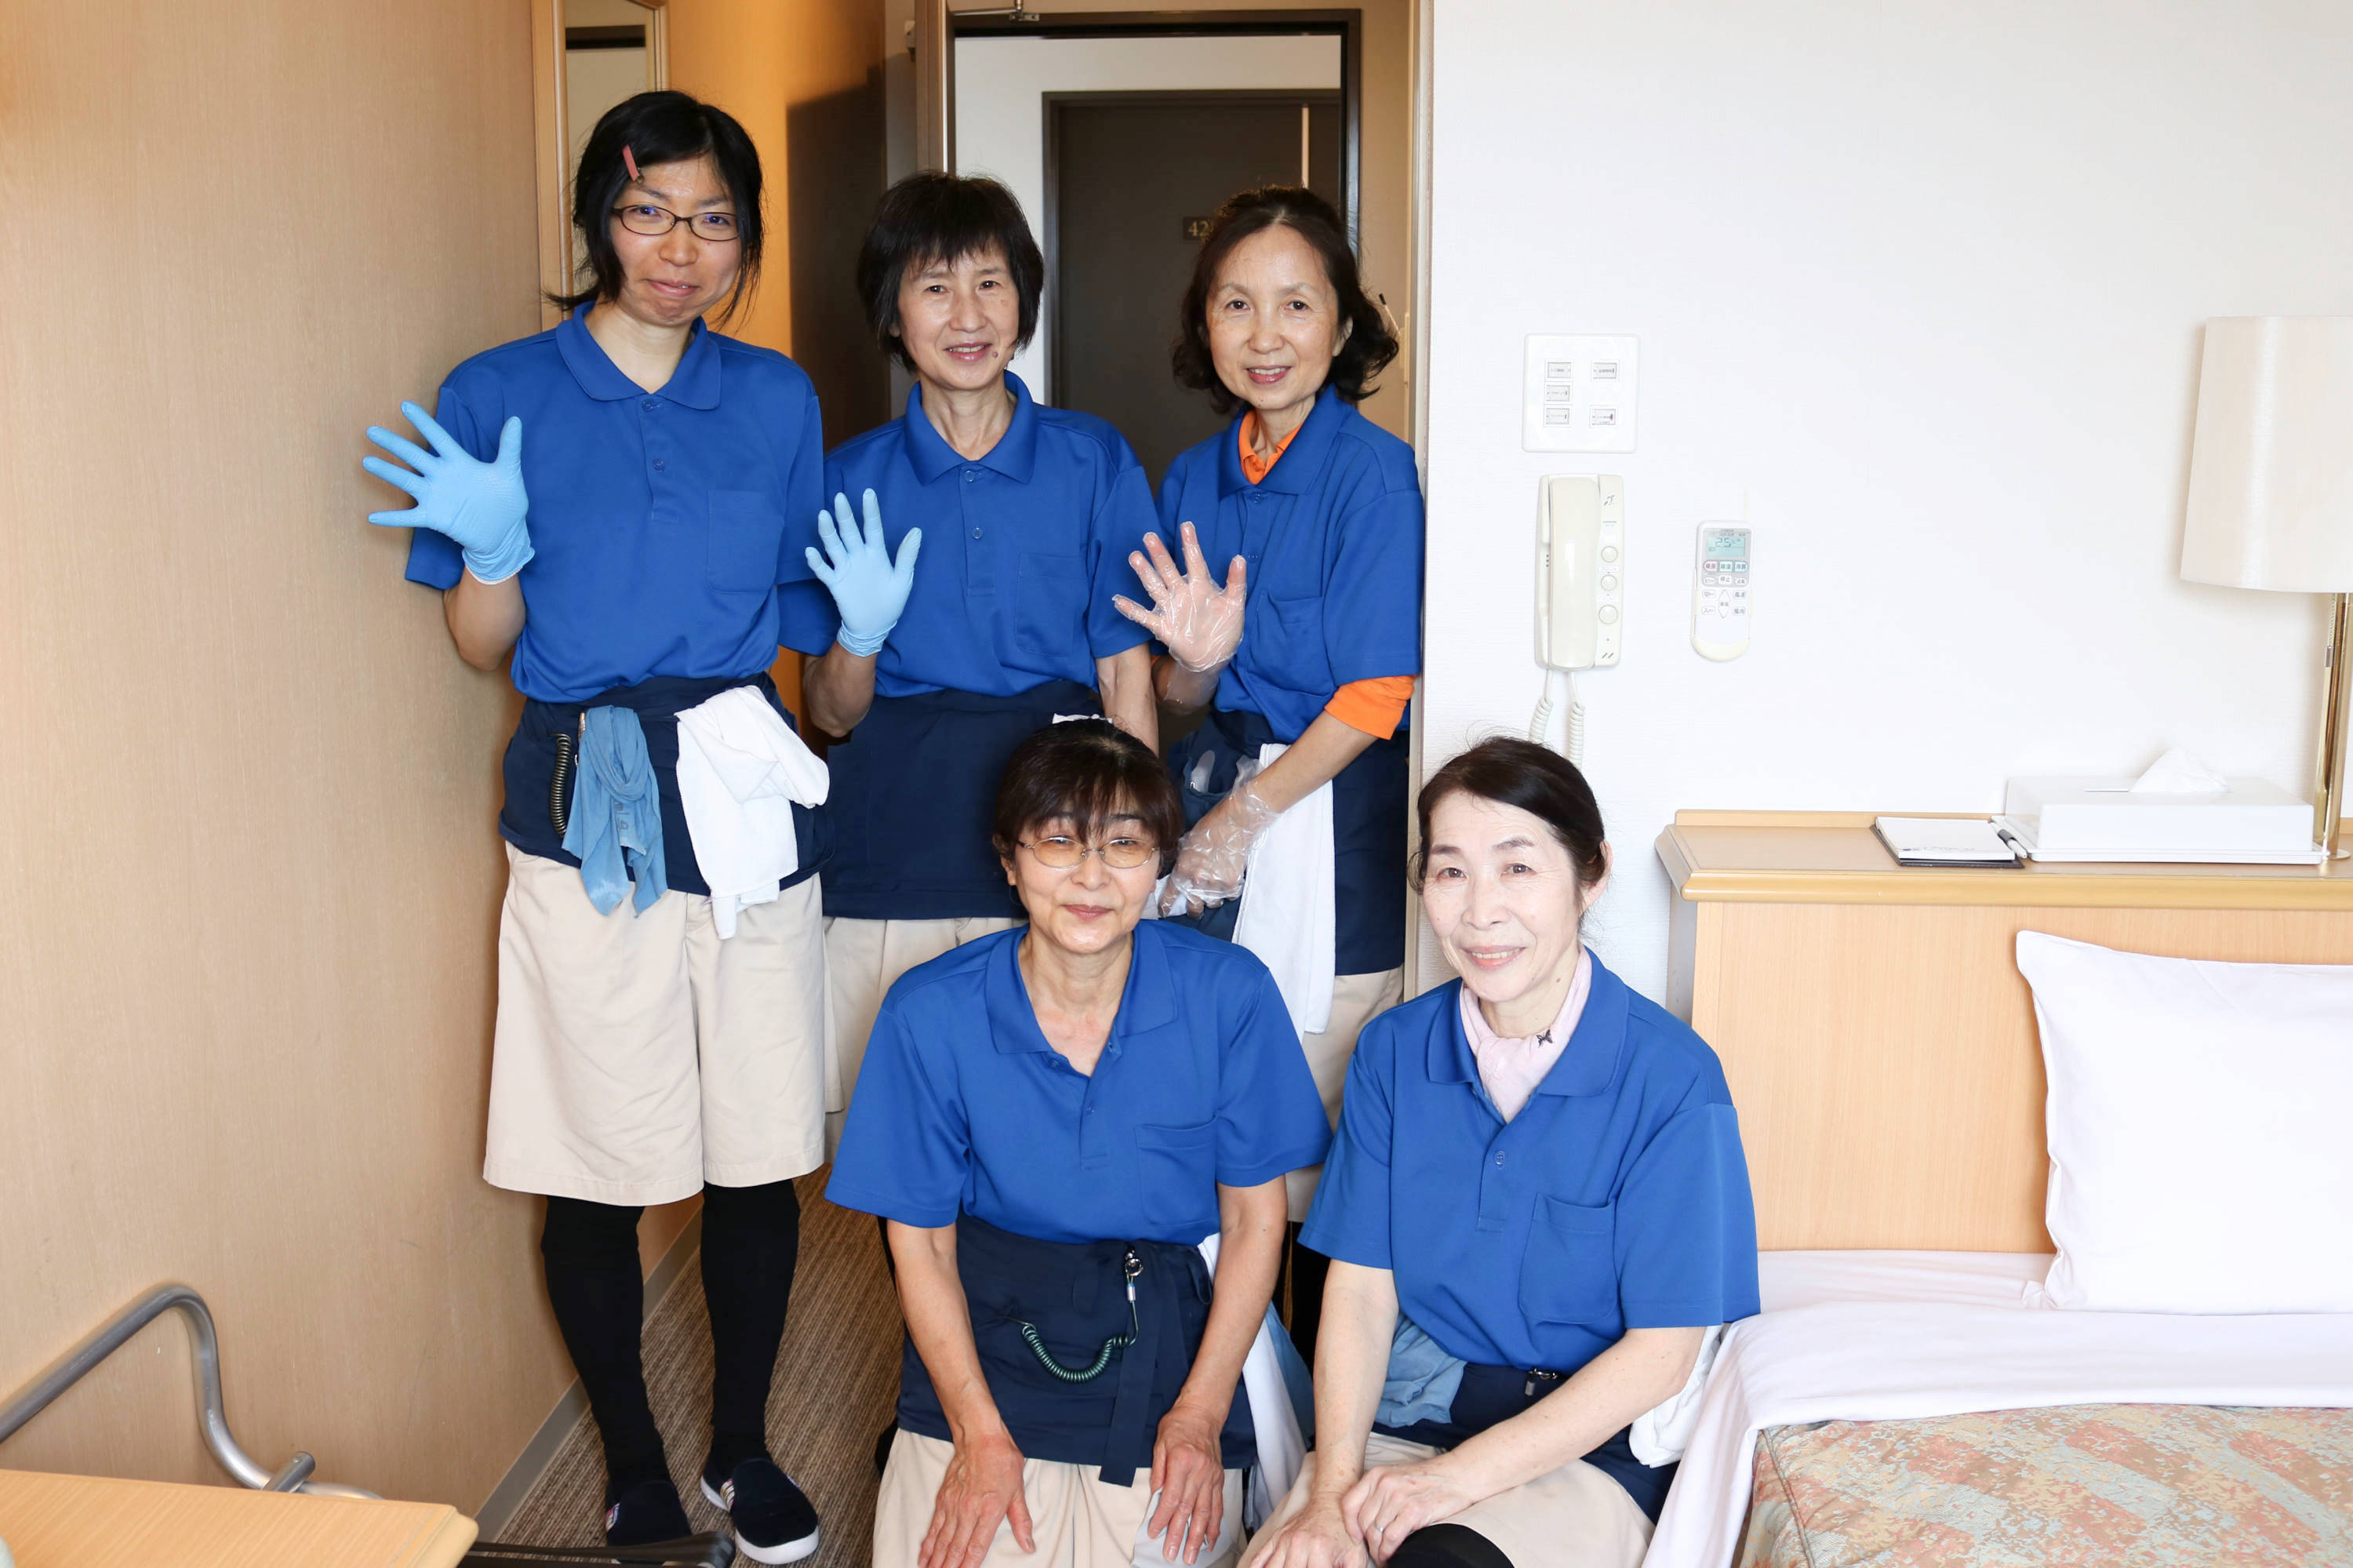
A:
(1924, 286)
(1000, 114)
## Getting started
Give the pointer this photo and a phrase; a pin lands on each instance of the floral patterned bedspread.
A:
(2150, 1486)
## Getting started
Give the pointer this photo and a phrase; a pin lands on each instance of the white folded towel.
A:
(1287, 915)
(741, 771)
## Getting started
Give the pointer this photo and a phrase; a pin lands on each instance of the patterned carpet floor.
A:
(837, 1380)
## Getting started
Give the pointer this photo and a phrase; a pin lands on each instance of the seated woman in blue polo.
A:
(1053, 1119)
(1536, 1207)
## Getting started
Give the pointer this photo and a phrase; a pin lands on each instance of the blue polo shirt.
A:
(665, 523)
(1617, 1199)
(1023, 549)
(962, 1106)
(1334, 538)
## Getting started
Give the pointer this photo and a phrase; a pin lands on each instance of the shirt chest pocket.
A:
(1569, 1273)
(746, 540)
(1289, 637)
(1177, 1169)
(1047, 613)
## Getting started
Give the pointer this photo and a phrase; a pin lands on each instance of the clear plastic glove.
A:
(479, 505)
(1198, 623)
(1213, 856)
(870, 589)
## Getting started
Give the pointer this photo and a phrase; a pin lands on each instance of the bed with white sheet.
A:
(2175, 1387)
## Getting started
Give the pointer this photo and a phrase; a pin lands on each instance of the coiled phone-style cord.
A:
(1132, 1266)
(559, 784)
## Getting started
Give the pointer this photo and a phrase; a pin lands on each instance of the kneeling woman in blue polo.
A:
(1051, 1120)
(1536, 1206)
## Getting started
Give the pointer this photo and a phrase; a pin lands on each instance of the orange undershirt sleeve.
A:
(1374, 706)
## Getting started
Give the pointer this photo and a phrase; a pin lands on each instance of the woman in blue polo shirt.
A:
(1050, 1119)
(1025, 516)
(1316, 514)
(618, 501)
(1537, 1206)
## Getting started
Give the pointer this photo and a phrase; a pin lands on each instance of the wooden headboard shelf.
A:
(1879, 1040)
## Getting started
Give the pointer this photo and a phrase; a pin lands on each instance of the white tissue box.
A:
(2255, 823)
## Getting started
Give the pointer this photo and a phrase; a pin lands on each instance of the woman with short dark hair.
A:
(1051, 1119)
(621, 503)
(1025, 516)
(1318, 512)
(1536, 1206)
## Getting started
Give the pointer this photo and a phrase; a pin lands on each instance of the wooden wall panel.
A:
(248, 851)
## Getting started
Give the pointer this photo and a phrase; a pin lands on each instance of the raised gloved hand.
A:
(1198, 623)
(1213, 856)
(480, 505)
(870, 589)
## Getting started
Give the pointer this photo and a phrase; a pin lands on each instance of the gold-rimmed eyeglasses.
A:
(1060, 851)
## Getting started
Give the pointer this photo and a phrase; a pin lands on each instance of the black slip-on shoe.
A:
(647, 1512)
(774, 1522)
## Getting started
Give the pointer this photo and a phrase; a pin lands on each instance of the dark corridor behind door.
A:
(1127, 177)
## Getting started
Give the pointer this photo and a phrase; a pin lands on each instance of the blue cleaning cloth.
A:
(616, 812)
(1423, 1379)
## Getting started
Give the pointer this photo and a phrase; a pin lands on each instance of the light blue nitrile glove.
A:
(869, 589)
(480, 505)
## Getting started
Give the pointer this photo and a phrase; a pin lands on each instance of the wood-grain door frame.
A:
(1051, 237)
(559, 257)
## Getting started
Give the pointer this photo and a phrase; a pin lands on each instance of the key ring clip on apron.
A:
(1132, 1266)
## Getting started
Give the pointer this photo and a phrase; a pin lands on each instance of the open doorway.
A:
(1119, 249)
(998, 94)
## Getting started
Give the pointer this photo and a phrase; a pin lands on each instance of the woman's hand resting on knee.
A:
(1189, 1473)
(1315, 1537)
(1389, 1502)
(981, 1489)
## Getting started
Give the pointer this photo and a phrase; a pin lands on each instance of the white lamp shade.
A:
(2271, 477)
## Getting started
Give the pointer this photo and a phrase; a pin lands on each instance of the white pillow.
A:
(2201, 1122)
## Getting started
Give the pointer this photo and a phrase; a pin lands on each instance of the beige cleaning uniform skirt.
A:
(1574, 1517)
(1077, 1519)
(864, 958)
(638, 1057)
(1357, 1000)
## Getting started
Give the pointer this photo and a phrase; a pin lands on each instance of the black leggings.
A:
(751, 1243)
(1447, 1546)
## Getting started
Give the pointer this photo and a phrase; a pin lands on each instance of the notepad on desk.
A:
(1945, 840)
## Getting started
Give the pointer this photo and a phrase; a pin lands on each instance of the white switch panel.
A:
(1578, 394)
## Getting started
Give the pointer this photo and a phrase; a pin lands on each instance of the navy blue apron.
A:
(1491, 1395)
(528, 822)
(1075, 1294)
(1368, 835)
(914, 792)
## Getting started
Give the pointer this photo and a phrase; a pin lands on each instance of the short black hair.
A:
(1369, 346)
(1083, 772)
(660, 128)
(1539, 781)
(933, 217)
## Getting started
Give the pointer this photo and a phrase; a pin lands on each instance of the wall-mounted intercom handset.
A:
(1720, 591)
(1580, 596)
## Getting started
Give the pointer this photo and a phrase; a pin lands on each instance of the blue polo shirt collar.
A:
(694, 384)
(1014, 455)
(1147, 1002)
(1300, 467)
(1588, 1065)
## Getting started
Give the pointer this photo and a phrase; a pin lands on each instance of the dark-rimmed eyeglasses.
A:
(642, 218)
(1060, 851)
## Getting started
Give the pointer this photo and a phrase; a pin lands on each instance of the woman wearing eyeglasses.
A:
(611, 503)
(1050, 1119)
